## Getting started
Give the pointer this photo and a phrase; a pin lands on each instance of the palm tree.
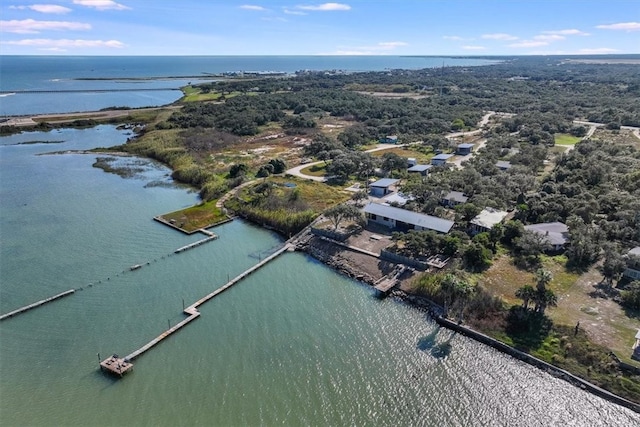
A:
(545, 299)
(526, 294)
(543, 278)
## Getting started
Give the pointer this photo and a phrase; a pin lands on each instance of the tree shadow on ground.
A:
(604, 291)
(527, 329)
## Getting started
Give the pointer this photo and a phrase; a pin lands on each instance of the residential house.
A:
(486, 220)
(503, 165)
(382, 187)
(440, 159)
(454, 198)
(557, 233)
(404, 220)
(464, 149)
(389, 139)
(411, 161)
(421, 169)
(633, 264)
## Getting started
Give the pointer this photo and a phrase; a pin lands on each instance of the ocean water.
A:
(60, 73)
(293, 344)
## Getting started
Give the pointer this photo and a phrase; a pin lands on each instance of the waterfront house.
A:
(487, 219)
(405, 220)
(464, 149)
(382, 187)
(556, 233)
(633, 264)
(389, 139)
(454, 198)
(440, 159)
(421, 169)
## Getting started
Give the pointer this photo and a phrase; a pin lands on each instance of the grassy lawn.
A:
(196, 217)
(566, 139)
(421, 157)
(193, 94)
(315, 170)
(319, 196)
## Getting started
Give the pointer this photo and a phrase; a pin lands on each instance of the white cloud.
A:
(529, 43)
(293, 12)
(597, 51)
(549, 37)
(569, 32)
(391, 45)
(468, 47)
(101, 4)
(325, 7)
(381, 48)
(65, 43)
(499, 36)
(44, 8)
(623, 26)
(31, 26)
(252, 7)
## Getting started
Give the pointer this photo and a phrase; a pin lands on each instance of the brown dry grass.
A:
(580, 299)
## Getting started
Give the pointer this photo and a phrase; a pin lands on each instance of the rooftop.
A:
(409, 217)
(635, 251)
(442, 157)
(465, 145)
(384, 182)
(556, 232)
(456, 196)
(489, 217)
(503, 164)
(419, 168)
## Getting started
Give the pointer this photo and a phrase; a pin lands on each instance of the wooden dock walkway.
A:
(36, 304)
(119, 366)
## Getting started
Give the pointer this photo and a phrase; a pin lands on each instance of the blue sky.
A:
(383, 27)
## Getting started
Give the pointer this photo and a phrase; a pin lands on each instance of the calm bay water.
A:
(56, 73)
(293, 344)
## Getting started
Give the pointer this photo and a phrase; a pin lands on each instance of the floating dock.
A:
(36, 304)
(120, 365)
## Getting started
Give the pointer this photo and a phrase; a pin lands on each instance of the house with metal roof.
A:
(389, 139)
(486, 220)
(382, 187)
(464, 149)
(405, 220)
(556, 233)
(454, 198)
(421, 169)
(440, 159)
(503, 165)
(633, 264)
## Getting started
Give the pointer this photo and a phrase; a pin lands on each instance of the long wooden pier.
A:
(119, 366)
(36, 304)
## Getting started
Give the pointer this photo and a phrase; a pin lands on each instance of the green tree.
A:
(237, 169)
(342, 212)
(613, 265)
(527, 294)
(392, 161)
(359, 196)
